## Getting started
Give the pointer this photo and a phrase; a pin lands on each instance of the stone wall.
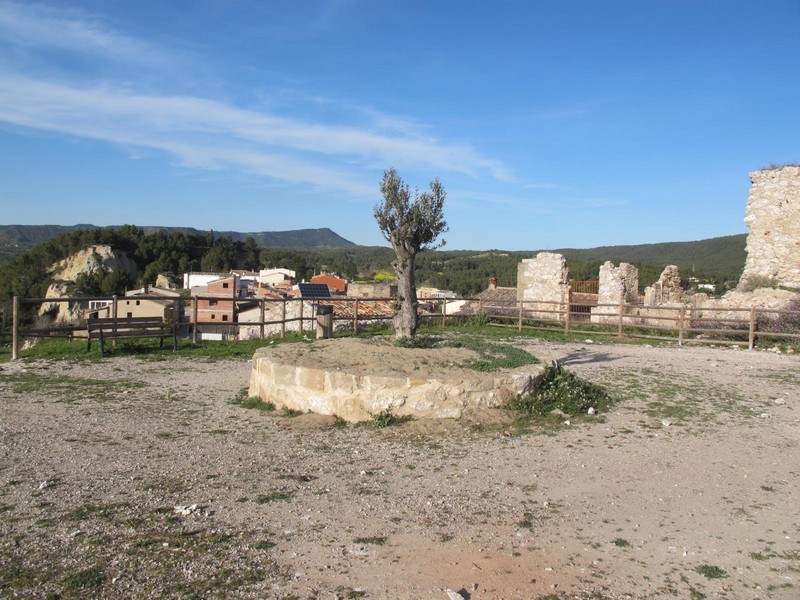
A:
(773, 219)
(542, 279)
(667, 290)
(371, 290)
(617, 285)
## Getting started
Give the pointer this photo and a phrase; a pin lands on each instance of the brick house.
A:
(217, 303)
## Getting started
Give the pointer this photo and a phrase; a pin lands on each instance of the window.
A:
(224, 317)
(212, 302)
(137, 303)
(225, 285)
(213, 317)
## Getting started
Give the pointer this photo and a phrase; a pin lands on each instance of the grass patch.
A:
(253, 402)
(149, 349)
(419, 341)
(373, 540)
(69, 389)
(493, 356)
(86, 579)
(711, 572)
(291, 412)
(621, 543)
(273, 496)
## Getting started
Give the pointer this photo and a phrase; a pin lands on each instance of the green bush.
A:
(563, 391)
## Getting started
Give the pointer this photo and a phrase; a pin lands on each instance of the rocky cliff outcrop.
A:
(66, 271)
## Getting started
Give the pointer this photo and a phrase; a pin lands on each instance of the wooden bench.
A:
(130, 327)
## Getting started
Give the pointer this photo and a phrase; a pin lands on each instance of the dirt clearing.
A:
(129, 478)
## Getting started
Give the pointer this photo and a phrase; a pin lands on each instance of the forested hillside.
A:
(17, 239)
(463, 271)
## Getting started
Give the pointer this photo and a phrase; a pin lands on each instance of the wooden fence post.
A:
(751, 338)
(444, 312)
(283, 319)
(566, 318)
(115, 303)
(521, 303)
(263, 310)
(681, 318)
(302, 323)
(194, 319)
(621, 312)
(15, 329)
(355, 317)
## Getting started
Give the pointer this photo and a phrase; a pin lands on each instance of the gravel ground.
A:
(687, 488)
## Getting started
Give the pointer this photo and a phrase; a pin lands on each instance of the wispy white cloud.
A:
(203, 133)
(229, 136)
(540, 186)
(483, 200)
(37, 25)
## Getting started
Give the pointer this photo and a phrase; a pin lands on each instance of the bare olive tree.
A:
(410, 225)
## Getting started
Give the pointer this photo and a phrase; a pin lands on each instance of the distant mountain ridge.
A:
(27, 236)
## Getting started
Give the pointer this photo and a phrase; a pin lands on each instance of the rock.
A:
(191, 509)
(666, 422)
(454, 595)
(780, 401)
(591, 411)
(567, 422)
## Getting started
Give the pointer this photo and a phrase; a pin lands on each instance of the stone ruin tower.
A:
(543, 279)
(773, 218)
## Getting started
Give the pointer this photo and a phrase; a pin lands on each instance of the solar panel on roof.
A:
(314, 290)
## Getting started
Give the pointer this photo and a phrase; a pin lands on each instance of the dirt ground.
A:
(131, 478)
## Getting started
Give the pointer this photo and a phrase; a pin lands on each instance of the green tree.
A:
(410, 226)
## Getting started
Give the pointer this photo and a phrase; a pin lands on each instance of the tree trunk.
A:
(405, 321)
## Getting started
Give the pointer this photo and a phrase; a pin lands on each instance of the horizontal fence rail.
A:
(214, 317)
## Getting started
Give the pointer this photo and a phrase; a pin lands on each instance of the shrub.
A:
(564, 391)
(755, 282)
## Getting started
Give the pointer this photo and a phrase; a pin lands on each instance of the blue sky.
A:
(550, 124)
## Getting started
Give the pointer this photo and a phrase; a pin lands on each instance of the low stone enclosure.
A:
(355, 379)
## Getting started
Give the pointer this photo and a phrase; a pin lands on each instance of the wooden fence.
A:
(268, 317)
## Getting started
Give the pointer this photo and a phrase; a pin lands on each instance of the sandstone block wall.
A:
(773, 219)
(543, 279)
(354, 397)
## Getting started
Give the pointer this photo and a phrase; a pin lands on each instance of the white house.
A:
(275, 276)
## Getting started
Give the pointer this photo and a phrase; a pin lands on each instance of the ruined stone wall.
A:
(667, 290)
(616, 285)
(773, 218)
(542, 279)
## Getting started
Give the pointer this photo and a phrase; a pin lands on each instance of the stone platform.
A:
(355, 379)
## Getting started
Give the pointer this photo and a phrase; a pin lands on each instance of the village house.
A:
(335, 284)
(137, 303)
(276, 277)
(216, 303)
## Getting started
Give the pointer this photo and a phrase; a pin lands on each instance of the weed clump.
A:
(563, 391)
(386, 418)
(420, 341)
